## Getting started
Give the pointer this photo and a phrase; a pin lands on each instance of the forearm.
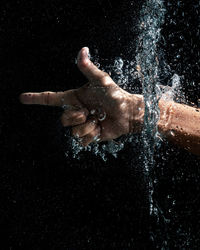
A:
(179, 123)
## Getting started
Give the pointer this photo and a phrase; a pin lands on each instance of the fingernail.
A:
(85, 52)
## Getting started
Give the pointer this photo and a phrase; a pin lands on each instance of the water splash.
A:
(169, 93)
(151, 19)
(157, 80)
(101, 150)
(145, 68)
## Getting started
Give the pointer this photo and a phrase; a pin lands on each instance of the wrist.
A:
(137, 108)
(166, 111)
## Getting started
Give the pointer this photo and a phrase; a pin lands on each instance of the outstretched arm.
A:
(101, 109)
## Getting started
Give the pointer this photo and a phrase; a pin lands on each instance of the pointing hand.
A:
(99, 109)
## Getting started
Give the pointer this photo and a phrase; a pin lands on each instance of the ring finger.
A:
(84, 129)
(93, 136)
(74, 117)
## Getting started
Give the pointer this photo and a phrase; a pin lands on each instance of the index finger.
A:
(42, 98)
(49, 98)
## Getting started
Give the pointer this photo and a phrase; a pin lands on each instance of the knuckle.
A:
(46, 98)
(93, 134)
(83, 63)
(105, 79)
(103, 76)
(81, 118)
(96, 132)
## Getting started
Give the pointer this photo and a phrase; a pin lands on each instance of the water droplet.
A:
(102, 116)
(172, 133)
(93, 111)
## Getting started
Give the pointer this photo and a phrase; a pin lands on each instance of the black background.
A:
(50, 201)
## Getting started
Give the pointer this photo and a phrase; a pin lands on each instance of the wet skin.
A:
(100, 110)
(85, 107)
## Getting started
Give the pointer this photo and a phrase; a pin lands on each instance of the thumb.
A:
(87, 67)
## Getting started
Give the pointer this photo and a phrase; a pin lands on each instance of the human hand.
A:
(99, 109)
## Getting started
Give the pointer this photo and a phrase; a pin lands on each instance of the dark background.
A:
(50, 201)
